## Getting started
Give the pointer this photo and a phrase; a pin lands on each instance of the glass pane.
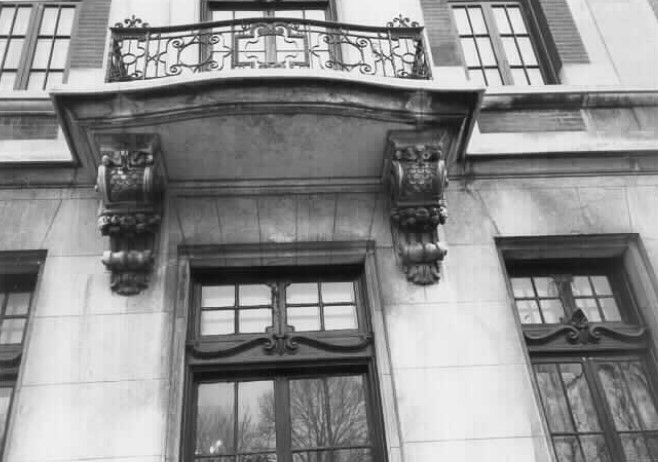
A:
(48, 21)
(42, 54)
(623, 410)
(60, 51)
(610, 310)
(18, 303)
(522, 288)
(12, 330)
(493, 77)
(470, 52)
(553, 399)
(546, 287)
(14, 53)
(518, 76)
(221, 15)
(215, 418)
(511, 51)
(308, 418)
(635, 448)
(534, 74)
(527, 52)
(486, 51)
(476, 76)
(5, 400)
(217, 296)
(218, 322)
(580, 286)
(461, 19)
(254, 295)
(594, 448)
(528, 312)
(317, 15)
(349, 423)
(501, 20)
(337, 292)
(248, 14)
(22, 20)
(252, 321)
(302, 293)
(589, 307)
(340, 317)
(580, 399)
(297, 14)
(601, 285)
(54, 78)
(341, 455)
(3, 48)
(256, 416)
(304, 318)
(6, 19)
(477, 20)
(640, 393)
(516, 19)
(66, 17)
(552, 310)
(7, 80)
(36, 81)
(567, 449)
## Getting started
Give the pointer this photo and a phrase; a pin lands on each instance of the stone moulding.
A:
(418, 178)
(129, 182)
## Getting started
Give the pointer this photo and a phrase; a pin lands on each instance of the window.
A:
(281, 367)
(589, 348)
(260, 46)
(34, 43)
(500, 44)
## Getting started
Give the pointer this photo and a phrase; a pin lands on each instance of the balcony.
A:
(144, 53)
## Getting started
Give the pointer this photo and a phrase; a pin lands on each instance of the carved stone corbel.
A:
(418, 178)
(129, 182)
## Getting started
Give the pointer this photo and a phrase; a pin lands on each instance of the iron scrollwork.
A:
(418, 206)
(129, 184)
(139, 52)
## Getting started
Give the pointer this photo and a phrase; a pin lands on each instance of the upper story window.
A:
(591, 359)
(281, 367)
(34, 44)
(499, 43)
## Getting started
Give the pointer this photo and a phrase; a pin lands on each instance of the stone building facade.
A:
(212, 232)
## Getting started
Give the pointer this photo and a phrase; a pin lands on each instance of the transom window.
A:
(281, 364)
(498, 44)
(15, 296)
(34, 43)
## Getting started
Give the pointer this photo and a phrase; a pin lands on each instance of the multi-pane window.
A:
(282, 368)
(257, 45)
(6, 394)
(34, 43)
(498, 44)
(590, 358)
(15, 298)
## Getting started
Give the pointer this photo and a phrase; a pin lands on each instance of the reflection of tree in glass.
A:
(214, 431)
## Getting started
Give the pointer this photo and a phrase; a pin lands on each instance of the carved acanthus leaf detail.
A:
(418, 206)
(130, 188)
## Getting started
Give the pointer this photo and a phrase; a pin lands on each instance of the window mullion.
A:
(282, 424)
(497, 44)
(564, 284)
(603, 411)
(27, 55)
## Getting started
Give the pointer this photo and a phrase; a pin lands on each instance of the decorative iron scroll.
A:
(578, 330)
(128, 181)
(418, 206)
(140, 53)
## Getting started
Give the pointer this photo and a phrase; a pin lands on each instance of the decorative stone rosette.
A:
(128, 181)
(418, 178)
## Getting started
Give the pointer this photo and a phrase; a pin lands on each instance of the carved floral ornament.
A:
(129, 184)
(418, 178)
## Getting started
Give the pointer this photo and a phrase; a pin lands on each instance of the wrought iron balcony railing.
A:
(140, 52)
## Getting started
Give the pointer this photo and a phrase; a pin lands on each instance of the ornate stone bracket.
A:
(129, 182)
(418, 178)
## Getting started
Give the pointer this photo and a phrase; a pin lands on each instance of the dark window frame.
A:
(537, 27)
(581, 255)
(252, 366)
(259, 5)
(28, 50)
